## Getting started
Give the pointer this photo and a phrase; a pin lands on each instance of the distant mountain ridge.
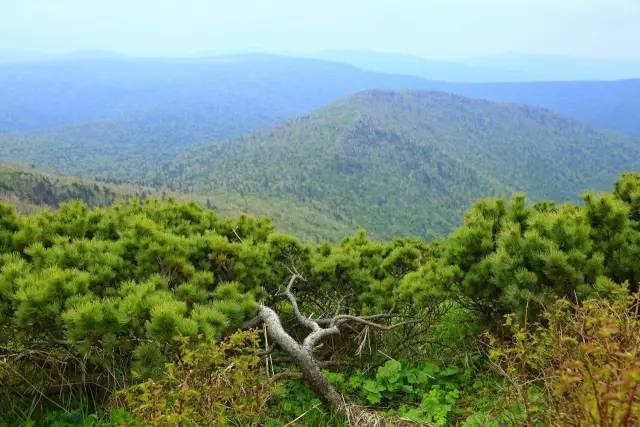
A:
(611, 105)
(506, 67)
(131, 113)
(410, 162)
(235, 93)
(121, 118)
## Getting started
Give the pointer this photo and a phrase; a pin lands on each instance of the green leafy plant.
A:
(435, 407)
(423, 393)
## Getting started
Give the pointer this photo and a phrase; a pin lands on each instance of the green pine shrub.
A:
(509, 255)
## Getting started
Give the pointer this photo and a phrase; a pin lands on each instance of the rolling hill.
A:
(410, 162)
(234, 93)
(604, 93)
(30, 190)
(112, 117)
(131, 120)
(121, 118)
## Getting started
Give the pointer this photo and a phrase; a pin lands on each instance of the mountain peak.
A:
(410, 162)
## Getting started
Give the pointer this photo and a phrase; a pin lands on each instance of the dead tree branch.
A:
(302, 354)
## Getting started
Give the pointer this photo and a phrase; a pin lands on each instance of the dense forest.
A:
(165, 313)
(30, 190)
(399, 163)
(411, 162)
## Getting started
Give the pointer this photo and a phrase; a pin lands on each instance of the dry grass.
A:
(361, 416)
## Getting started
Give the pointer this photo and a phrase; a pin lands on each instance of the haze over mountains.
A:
(613, 105)
(119, 114)
(395, 158)
(226, 96)
(504, 67)
(507, 67)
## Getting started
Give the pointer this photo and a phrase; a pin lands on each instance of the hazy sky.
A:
(432, 28)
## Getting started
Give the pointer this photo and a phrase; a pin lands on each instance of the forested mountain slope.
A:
(122, 118)
(117, 117)
(30, 190)
(402, 163)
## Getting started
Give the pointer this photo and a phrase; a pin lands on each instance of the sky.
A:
(428, 28)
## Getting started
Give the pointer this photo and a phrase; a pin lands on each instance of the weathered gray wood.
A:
(303, 358)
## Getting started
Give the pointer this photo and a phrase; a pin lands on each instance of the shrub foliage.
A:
(142, 301)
